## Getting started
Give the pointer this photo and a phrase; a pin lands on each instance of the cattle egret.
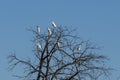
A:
(50, 32)
(79, 47)
(39, 47)
(58, 44)
(38, 29)
(53, 24)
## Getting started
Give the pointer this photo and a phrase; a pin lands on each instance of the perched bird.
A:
(38, 29)
(58, 44)
(78, 47)
(50, 32)
(53, 24)
(39, 46)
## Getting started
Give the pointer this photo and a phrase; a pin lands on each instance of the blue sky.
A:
(96, 20)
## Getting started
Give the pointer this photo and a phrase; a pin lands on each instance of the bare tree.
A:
(61, 55)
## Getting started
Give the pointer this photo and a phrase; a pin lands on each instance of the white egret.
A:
(50, 32)
(79, 47)
(39, 46)
(58, 44)
(53, 24)
(38, 29)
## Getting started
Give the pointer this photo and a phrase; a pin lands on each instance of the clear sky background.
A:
(96, 20)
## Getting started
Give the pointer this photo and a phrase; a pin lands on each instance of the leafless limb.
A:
(62, 62)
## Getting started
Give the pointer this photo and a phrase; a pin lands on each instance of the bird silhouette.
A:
(50, 32)
(53, 24)
(58, 44)
(39, 46)
(78, 47)
(38, 29)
